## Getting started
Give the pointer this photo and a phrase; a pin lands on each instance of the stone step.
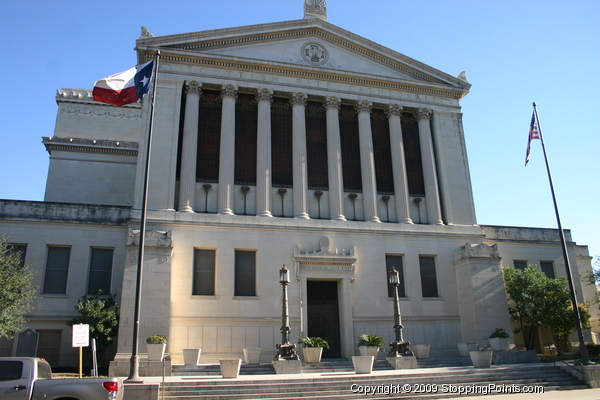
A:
(339, 387)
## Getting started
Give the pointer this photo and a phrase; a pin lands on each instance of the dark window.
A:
(245, 273)
(381, 151)
(19, 249)
(204, 272)
(281, 142)
(209, 137)
(10, 370)
(246, 119)
(350, 149)
(412, 153)
(520, 264)
(316, 146)
(57, 270)
(394, 262)
(548, 269)
(101, 262)
(428, 277)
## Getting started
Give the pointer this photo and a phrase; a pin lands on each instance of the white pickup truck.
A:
(27, 378)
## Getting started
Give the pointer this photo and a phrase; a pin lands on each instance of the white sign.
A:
(81, 335)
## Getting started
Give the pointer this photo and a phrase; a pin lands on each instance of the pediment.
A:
(311, 44)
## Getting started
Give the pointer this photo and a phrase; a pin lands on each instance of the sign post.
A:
(81, 339)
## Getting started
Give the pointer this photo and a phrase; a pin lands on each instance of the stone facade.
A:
(94, 192)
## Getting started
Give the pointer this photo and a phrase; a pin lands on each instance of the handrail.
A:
(575, 362)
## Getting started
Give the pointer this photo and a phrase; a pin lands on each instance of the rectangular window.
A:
(428, 277)
(394, 262)
(101, 262)
(204, 272)
(548, 269)
(20, 249)
(57, 270)
(520, 264)
(245, 273)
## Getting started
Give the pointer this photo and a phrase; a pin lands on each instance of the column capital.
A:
(264, 95)
(193, 88)
(422, 113)
(298, 99)
(229, 91)
(363, 106)
(393, 110)
(332, 102)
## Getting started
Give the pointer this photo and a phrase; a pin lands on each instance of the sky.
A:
(514, 53)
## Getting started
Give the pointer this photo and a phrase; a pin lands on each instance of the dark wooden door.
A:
(323, 315)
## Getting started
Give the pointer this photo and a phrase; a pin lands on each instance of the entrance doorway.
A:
(323, 315)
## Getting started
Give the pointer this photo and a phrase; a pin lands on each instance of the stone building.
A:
(295, 143)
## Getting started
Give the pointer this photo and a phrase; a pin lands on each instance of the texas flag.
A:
(125, 87)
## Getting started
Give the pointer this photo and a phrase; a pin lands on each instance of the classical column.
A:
(300, 174)
(264, 98)
(432, 194)
(227, 151)
(189, 148)
(334, 160)
(394, 112)
(367, 160)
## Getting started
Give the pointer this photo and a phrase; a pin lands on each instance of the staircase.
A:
(334, 381)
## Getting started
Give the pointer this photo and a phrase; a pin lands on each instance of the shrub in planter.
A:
(369, 345)
(313, 348)
(499, 340)
(156, 346)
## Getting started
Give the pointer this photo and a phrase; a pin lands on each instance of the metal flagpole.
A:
(134, 367)
(582, 349)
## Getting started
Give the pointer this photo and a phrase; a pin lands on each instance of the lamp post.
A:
(399, 347)
(285, 350)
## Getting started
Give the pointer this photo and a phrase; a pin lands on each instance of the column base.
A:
(374, 219)
(438, 222)
(265, 213)
(186, 209)
(302, 216)
(338, 218)
(226, 211)
(407, 221)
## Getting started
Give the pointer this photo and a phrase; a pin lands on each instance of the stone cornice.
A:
(90, 146)
(81, 102)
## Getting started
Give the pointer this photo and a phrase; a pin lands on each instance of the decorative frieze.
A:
(100, 111)
(325, 259)
(90, 145)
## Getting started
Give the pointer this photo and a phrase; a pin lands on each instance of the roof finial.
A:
(315, 9)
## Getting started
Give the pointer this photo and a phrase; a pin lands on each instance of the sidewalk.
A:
(582, 394)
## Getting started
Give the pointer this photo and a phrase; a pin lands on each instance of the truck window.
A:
(44, 370)
(10, 370)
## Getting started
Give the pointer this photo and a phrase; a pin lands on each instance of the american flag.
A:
(533, 134)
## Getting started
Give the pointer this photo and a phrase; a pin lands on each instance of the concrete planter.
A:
(369, 351)
(465, 348)
(363, 364)
(252, 355)
(499, 344)
(287, 366)
(191, 356)
(421, 350)
(230, 368)
(156, 352)
(481, 358)
(312, 354)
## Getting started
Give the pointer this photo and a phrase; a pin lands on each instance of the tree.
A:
(16, 290)
(101, 313)
(538, 301)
